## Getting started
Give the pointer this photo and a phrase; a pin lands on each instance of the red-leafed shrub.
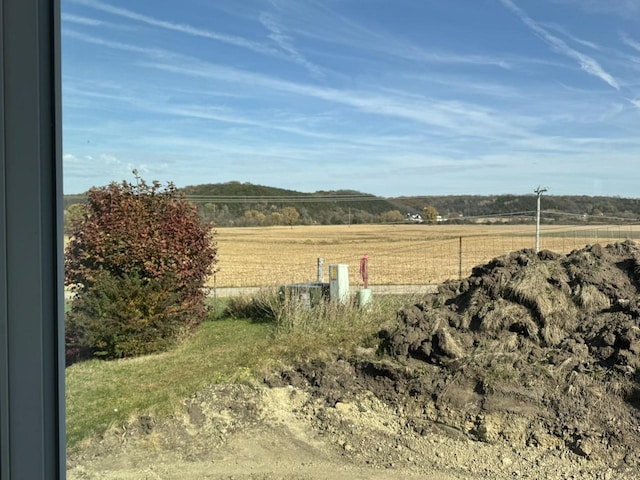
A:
(137, 258)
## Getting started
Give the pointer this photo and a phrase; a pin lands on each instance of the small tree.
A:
(392, 216)
(275, 218)
(290, 215)
(430, 215)
(149, 241)
(253, 218)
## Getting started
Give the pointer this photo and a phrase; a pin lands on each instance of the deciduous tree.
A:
(430, 215)
(290, 215)
(392, 216)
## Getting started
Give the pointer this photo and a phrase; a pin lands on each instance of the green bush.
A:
(124, 317)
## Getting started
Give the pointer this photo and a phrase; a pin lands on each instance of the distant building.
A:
(414, 218)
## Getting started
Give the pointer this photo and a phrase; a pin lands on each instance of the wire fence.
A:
(413, 262)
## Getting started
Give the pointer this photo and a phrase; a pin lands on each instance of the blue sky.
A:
(389, 97)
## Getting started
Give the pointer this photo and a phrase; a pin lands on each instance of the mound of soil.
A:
(532, 350)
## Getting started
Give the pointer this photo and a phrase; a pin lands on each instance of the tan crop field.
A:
(398, 254)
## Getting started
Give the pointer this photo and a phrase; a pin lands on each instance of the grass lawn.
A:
(100, 393)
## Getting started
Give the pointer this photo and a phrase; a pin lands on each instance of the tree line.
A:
(561, 208)
(245, 204)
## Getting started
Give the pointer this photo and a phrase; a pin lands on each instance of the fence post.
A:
(364, 271)
(215, 296)
(460, 260)
(320, 269)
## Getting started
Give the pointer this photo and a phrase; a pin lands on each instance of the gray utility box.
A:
(308, 294)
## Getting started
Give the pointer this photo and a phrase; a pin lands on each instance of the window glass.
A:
(488, 105)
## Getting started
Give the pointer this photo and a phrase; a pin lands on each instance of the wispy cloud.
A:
(462, 118)
(179, 27)
(630, 41)
(465, 119)
(433, 56)
(285, 43)
(573, 38)
(587, 63)
(622, 8)
(150, 52)
(317, 21)
(84, 21)
(293, 124)
(81, 20)
(467, 86)
(635, 102)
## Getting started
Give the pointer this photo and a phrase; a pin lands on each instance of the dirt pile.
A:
(535, 349)
(527, 302)
(532, 350)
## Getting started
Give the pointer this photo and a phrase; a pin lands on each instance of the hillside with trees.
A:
(246, 204)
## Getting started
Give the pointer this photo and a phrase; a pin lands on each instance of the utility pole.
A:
(538, 191)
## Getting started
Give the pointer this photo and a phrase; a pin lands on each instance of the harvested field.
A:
(398, 254)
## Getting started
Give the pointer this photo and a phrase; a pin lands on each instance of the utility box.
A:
(308, 294)
(339, 283)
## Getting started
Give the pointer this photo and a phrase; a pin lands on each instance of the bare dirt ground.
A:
(527, 369)
(242, 432)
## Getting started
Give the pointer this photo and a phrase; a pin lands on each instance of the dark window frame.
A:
(32, 430)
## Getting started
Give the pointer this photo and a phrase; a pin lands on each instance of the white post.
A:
(538, 191)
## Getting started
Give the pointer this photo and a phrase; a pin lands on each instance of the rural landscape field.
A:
(527, 361)
(399, 254)
(527, 368)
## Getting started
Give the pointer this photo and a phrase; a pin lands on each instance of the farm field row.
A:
(398, 254)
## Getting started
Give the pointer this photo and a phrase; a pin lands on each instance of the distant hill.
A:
(245, 204)
(235, 203)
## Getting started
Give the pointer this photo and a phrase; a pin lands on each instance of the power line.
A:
(282, 199)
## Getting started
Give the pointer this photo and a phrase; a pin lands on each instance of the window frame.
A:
(32, 409)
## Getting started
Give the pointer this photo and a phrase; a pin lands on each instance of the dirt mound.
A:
(539, 349)
(535, 350)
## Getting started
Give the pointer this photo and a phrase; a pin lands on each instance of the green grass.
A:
(101, 394)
